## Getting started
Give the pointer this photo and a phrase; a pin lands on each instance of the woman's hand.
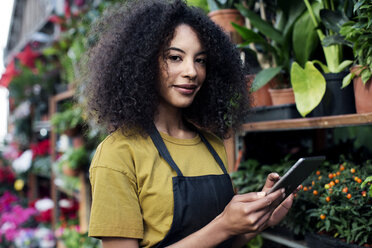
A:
(281, 211)
(249, 212)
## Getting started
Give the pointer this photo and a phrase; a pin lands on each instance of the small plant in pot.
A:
(359, 33)
(72, 160)
(270, 38)
(223, 13)
(69, 121)
(333, 209)
(312, 87)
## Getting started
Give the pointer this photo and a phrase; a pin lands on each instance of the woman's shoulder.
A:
(117, 150)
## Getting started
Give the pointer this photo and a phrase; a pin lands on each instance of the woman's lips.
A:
(185, 89)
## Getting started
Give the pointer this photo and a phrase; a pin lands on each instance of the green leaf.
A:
(248, 35)
(50, 51)
(367, 180)
(332, 20)
(309, 87)
(335, 39)
(295, 10)
(345, 64)
(346, 81)
(366, 75)
(323, 66)
(304, 37)
(263, 26)
(264, 76)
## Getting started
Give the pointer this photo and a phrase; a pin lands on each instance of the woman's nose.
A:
(189, 69)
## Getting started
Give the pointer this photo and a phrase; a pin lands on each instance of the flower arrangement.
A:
(334, 201)
(22, 226)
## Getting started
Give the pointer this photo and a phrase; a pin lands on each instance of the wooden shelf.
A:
(308, 123)
(284, 240)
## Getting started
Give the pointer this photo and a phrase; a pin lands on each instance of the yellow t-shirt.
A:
(132, 192)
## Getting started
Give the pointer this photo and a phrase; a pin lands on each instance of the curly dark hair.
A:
(123, 69)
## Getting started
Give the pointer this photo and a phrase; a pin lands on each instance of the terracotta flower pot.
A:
(260, 97)
(282, 96)
(363, 93)
(68, 171)
(224, 17)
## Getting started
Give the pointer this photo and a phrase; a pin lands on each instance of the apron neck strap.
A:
(213, 152)
(159, 144)
(163, 151)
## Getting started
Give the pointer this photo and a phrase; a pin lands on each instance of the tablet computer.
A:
(297, 174)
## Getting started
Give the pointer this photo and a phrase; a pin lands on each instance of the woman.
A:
(167, 83)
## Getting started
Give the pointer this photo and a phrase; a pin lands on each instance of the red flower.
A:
(40, 149)
(9, 74)
(28, 57)
(67, 9)
(6, 175)
(56, 19)
(44, 217)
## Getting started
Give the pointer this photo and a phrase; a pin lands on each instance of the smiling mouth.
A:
(185, 89)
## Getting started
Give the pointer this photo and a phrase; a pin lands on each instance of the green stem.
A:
(331, 53)
(313, 18)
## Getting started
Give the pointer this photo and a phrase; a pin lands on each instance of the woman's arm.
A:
(119, 243)
(243, 218)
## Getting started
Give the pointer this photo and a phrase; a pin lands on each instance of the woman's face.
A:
(183, 69)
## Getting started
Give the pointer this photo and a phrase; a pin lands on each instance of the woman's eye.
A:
(174, 58)
(202, 61)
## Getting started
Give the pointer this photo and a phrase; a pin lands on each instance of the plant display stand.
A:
(315, 128)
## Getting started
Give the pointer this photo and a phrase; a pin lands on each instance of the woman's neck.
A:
(170, 120)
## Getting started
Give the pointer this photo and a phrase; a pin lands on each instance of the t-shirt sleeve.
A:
(115, 210)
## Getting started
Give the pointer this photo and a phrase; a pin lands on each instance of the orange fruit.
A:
(317, 173)
(330, 175)
(345, 190)
(359, 180)
(338, 173)
(328, 199)
(320, 177)
(305, 188)
(332, 183)
(348, 196)
(342, 167)
(313, 183)
(322, 216)
(315, 192)
(337, 181)
(364, 193)
(352, 170)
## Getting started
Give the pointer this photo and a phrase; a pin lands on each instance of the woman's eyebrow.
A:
(182, 51)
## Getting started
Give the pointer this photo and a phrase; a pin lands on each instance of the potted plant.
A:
(223, 13)
(334, 206)
(308, 83)
(275, 42)
(358, 32)
(69, 121)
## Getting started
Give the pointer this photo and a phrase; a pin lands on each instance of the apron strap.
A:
(213, 152)
(159, 143)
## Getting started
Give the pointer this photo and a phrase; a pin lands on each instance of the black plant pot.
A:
(336, 101)
(275, 112)
(323, 241)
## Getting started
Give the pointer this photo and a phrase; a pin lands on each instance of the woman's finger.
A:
(271, 179)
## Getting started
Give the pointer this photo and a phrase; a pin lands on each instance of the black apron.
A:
(197, 200)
